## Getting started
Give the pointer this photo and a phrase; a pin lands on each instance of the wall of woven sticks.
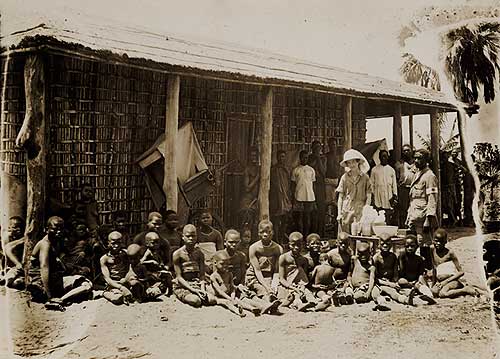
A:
(103, 116)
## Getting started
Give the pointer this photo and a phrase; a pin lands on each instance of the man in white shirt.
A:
(304, 202)
(384, 186)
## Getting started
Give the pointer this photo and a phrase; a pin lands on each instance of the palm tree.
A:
(472, 61)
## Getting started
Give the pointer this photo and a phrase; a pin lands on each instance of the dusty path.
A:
(459, 328)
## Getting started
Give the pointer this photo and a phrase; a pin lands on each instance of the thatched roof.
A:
(229, 61)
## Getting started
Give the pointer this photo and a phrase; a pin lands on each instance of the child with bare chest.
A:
(362, 279)
(447, 270)
(386, 271)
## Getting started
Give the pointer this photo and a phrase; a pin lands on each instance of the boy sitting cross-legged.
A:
(236, 262)
(340, 260)
(412, 270)
(115, 266)
(386, 271)
(224, 288)
(153, 261)
(293, 277)
(189, 266)
(323, 281)
(362, 279)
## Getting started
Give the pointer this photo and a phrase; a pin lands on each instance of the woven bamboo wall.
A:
(103, 117)
(301, 117)
(208, 104)
(13, 105)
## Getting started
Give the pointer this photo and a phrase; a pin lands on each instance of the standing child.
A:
(385, 187)
(362, 279)
(354, 189)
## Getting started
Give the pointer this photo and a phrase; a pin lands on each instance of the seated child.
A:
(340, 260)
(209, 239)
(224, 288)
(13, 250)
(313, 243)
(189, 265)
(237, 265)
(362, 279)
(153, 260)
(293, 277)
(237, 259)
(323, 280)
(115, 267)
(447, 269)
(412, 270)
(47, 282)
(146, 284)
(386, 271)
(78, 251)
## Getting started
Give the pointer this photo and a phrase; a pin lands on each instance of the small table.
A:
(374, 242)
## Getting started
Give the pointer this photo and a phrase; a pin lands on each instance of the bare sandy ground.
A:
(458, 328)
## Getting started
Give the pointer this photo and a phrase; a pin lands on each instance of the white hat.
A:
(356, 155)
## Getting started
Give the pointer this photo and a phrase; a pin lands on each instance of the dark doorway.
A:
(240, 136)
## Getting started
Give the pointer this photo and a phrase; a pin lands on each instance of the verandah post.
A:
(171, 126)
(266, 151)
(397, 132)
(435, 146)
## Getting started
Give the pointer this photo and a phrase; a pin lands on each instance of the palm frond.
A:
(415, 72)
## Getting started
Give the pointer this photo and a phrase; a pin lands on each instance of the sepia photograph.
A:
(249, 179)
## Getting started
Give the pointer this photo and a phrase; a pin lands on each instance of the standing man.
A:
(405, 172)
(280, 196)
(316, 161)
(423, 205)
(384, 186)
(251, 177)
(304, 200)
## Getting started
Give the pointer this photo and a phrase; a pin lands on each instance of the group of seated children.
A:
(202, 268)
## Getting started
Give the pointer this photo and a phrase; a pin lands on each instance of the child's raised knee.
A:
(193, 300)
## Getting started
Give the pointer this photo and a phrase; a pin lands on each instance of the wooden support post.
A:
(265, 151)
(397, 132)
(410, 129)
(347, 123)
(33, 138)
(435, 145)
(171, 127)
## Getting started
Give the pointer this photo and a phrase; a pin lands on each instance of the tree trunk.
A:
(32, 137)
